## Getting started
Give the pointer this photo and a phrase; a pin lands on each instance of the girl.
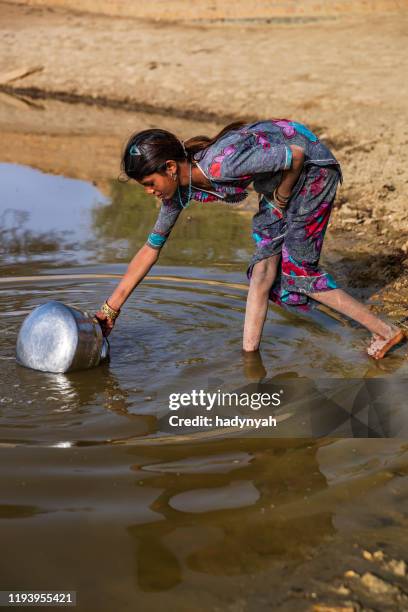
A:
(296, 177)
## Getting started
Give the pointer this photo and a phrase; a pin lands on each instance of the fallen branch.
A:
(18, 73)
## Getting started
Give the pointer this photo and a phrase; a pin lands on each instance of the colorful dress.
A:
(258, 153)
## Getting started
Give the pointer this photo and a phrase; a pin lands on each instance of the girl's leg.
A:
(254, 368)
(308, 217)
(384, 335)
(263, 276)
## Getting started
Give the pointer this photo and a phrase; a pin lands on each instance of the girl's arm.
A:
(290, 176)
(140, 265)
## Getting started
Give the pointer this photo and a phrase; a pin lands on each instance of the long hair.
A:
(146, 152)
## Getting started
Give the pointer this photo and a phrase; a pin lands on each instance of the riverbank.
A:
(197, 77)
(218, 10)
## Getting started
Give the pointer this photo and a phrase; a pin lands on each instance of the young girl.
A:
(296, 177)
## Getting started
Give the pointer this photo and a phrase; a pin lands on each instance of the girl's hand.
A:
(105, 322)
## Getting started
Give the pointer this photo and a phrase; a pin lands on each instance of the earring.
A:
(174, 176)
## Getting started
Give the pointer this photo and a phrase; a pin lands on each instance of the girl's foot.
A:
(254, 368)
(380, 346)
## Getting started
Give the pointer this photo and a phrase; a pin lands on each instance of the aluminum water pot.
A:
(55, 337)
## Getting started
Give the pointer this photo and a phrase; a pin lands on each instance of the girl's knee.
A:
(264, 272)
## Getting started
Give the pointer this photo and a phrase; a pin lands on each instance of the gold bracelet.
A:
(278, 203)
(110, 312)
(282, 199)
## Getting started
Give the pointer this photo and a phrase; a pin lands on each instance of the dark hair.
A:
(146, 152)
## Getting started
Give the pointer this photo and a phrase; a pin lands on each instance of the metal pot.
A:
(59, 338)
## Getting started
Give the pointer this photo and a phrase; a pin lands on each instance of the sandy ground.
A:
(344, 77)
(193, 10)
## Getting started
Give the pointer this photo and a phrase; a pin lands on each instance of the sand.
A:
(341, 73)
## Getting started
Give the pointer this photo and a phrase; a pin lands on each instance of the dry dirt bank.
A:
(220, 10)
(345, 78)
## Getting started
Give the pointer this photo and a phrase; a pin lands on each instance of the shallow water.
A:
(110, 506)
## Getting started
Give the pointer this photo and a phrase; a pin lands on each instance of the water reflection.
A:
(18, 243)
(45, 218)
(70, 409)
(266, 487)
(202, 235)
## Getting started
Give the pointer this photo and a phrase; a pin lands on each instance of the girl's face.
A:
(160, 185)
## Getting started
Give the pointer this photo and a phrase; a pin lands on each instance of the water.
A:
(111, 507)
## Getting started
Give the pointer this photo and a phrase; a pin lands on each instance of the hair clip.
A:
(134, 150)
(184, 147)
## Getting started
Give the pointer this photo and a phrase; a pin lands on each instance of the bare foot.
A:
(380, 346)
(254, 368)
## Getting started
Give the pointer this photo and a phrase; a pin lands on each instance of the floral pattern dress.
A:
(258, 153)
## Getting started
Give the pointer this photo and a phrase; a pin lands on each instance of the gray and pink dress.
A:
(258, 153)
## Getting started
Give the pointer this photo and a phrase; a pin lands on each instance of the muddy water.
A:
(95, 498)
